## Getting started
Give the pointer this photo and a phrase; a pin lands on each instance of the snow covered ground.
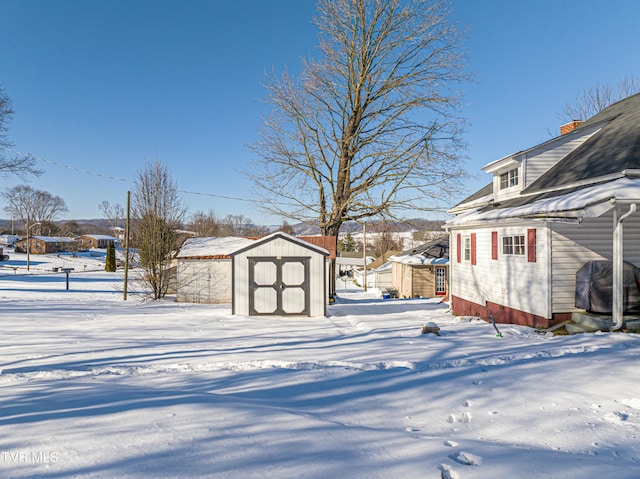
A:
(93, 386)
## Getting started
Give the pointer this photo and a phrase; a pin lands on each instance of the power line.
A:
(115, 178)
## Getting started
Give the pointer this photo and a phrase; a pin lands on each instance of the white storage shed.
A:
(280, 275)
(204, 269)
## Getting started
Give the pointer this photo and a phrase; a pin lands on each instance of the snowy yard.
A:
(93, 386)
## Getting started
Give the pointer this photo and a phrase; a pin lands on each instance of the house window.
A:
(509, 179)
(513, 245)
(467, 248)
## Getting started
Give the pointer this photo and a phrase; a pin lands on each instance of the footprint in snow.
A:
(466, 458)
(447, 472)
(464, 418)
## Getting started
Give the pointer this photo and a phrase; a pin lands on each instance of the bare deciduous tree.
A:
(240, 225)
(287, 228)
(113, 213)
(20, 165)
(371, 128)
(384, 241)
(205, 224)
(33, 206)
(158, 212)
(594, 99)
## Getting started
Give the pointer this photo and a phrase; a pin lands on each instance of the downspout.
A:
(618, 267)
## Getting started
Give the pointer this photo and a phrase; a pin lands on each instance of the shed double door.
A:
(279, 286)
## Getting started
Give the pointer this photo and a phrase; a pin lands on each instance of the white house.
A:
(517, 244)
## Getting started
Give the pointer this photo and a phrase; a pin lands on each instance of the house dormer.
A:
(513, 174)
(508, 175)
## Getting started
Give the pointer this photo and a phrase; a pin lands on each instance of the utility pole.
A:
(364, 255)
(126, 246)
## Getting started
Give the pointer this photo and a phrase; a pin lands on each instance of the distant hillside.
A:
(415, 224)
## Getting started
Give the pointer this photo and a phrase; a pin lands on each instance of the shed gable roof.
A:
(284, 236)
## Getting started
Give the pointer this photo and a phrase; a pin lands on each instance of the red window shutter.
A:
(494, 245)
(531, 245)
(473, 248)
(458, 248)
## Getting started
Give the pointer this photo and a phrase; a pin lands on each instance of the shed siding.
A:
(510, 280)
(576, 244)
(280, 248)
(204, 281)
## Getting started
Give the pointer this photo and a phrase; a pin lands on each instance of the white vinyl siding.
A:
(575, 244)
(540, 160)
(510, 281)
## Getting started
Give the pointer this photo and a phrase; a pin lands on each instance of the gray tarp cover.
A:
(594, 287)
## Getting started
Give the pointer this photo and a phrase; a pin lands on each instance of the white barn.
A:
(280, 275)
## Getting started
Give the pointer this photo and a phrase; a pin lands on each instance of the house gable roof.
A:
(608, 163)
(435, 251)
(613, 150)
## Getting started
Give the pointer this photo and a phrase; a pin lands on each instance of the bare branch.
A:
(371, 127)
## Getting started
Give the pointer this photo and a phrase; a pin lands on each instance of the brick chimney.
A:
(569, 127)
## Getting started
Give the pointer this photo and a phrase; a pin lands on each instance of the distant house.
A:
(8, 240)
(378, 273)
(422, 271)
(96, 241)
(46, 244)
(518, 243)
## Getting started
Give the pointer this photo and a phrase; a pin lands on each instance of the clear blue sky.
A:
(106, 86)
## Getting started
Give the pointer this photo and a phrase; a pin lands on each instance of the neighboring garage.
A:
(280, 275)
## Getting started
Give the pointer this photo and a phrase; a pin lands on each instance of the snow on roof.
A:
(54, 239)
(280, 234)
(101, 237)
(418, 259)
(212, 246)
(592, 201)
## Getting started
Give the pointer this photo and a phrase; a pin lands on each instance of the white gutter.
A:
(618, 266)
